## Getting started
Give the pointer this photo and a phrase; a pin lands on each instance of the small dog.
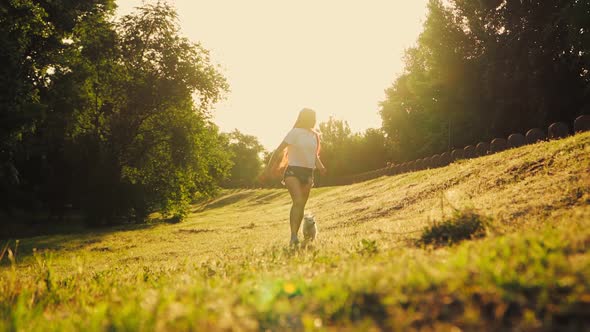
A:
(310, 229)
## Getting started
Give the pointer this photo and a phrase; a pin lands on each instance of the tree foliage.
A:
(345, 153)
(110, 118)
(483, 69)
(246, 159)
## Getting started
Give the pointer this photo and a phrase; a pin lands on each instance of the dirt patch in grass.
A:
(195, 230)
(357, 199)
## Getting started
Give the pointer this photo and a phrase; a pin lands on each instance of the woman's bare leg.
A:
(299, 194)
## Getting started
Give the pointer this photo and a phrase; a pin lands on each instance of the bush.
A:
(367, 247)
(462, 225)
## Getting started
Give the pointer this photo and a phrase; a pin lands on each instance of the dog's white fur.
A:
(310, 229)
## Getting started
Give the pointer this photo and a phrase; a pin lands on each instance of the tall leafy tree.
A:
(483, 69)
(112, 118)
(158, 131)
(36, 51)
(246, 159)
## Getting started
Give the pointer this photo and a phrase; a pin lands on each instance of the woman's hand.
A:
(320, 166)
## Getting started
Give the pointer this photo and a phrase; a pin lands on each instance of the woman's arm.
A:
(320, 166)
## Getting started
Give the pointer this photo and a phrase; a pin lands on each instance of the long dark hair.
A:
(306, 119)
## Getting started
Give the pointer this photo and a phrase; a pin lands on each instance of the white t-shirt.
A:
(302, 149)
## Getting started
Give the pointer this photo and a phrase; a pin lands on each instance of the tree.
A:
(485, 69)
(35, 39)
(110, 118)
(373, 150)
(246, 159)
(336, 146)
(160, 139)
(346, 153)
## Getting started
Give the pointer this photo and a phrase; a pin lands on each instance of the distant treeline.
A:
(106, 119)
(555, 131)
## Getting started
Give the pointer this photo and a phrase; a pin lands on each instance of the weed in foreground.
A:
(462, 225)
(367, 247)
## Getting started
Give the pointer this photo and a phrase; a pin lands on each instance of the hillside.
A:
(228, 264)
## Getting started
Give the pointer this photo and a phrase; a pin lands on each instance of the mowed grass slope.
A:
(228, 265)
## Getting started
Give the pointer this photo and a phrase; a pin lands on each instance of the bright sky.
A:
(334, 56)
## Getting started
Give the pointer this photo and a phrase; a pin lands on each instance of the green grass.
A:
(228, 265)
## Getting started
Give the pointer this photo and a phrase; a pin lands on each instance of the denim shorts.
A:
(304, 174)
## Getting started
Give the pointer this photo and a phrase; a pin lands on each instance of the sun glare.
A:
(279, 57)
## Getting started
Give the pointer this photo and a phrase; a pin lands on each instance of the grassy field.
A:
(228, 265)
